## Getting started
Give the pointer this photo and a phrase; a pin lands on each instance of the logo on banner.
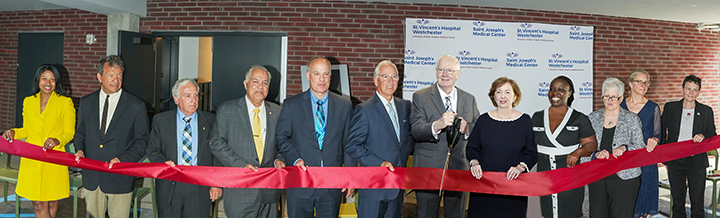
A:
(543, 89)
(586, 90)
(558, 63)
(514, 61)
(418, 60)
(423, 29)
(478, 23)
(467, 61)
(525, 33)
(576, 34)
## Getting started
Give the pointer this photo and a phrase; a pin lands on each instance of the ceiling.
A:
(691, 11)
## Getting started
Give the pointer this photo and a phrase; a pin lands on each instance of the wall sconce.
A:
(90, 39)
(708, 26)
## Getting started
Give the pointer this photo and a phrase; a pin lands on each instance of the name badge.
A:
(538, 129)
(571, 128)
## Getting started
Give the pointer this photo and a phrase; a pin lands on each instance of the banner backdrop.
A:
(530, 53)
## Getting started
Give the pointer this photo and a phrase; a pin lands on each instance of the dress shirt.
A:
(453, 102)
(261, 114)
(686, 124)
(180, 127)
(112, 104)
(387, 109)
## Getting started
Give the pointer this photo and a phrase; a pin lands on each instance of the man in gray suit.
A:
(184, 143)
(434, 109)
(244, 136)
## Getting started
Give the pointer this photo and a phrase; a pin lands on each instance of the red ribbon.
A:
(527, 184)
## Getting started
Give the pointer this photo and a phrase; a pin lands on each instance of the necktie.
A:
(257, 135)
(187, 143)
(394, 120)
(448, 104)
(104, 117)
(320, 123)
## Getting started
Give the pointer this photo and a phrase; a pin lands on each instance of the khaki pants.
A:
(97, 202)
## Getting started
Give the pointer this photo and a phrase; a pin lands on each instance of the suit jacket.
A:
(628, 131)
(296, 134)
(163, 146)
(372, 139)
(232, 143)
(125, 138)
(427, 108)
(703, 123)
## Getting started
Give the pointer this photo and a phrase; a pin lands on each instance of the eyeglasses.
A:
(386, 76)
(640, 82)
(448, 71)
(607, 98)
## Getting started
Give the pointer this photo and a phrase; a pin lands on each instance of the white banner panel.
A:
(530, 53)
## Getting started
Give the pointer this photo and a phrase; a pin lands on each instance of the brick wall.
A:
(79, 58)
(361, 34)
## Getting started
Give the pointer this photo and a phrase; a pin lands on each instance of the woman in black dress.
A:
(563, 136)
(501, 141)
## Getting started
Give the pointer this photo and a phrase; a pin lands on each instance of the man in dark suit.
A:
(685, 120)
(112, 126)
(312, 131)
(380, 136)
(185, 143)
(244, 136)
(434, 109)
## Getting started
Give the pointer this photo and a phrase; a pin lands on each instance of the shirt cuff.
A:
(435, 134)
(524, 165)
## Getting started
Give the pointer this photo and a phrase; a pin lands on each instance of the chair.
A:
(8, 174)
(141, 192)
(75, 181)
(714, 178)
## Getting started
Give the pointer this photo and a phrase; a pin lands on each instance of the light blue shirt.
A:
(180, 126)
(313, 102)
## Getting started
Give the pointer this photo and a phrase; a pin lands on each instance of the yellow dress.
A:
(37, 180)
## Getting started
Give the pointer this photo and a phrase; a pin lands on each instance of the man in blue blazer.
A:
(112, 126)
(380, 136)
(311, 131)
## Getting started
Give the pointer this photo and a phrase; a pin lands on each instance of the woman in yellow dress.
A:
(48, 121)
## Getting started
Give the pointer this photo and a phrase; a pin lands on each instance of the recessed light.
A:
(693, 5)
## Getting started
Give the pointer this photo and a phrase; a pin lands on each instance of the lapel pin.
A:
(270, 112)
(698, 113)
(203, 128)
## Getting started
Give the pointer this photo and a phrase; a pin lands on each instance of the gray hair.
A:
(253, 67)
(384, 63)
(636, 72)
(181, 83)
(453, 58)
(113, 60)
(612, 83)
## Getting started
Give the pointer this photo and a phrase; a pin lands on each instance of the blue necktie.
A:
(448, 104)
(187, 143)
(320, 123)
(394, 120)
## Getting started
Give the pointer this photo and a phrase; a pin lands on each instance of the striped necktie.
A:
(393, 118)
(320, 123)
(448, 104)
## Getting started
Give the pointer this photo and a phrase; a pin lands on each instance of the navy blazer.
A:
(295, 136)
(372, 138)
(163, 146)
(125, 138)
(703, 123)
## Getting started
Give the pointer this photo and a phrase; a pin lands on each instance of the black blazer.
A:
(125, 138)
(295, 136)
(703, 123)
(162, 147)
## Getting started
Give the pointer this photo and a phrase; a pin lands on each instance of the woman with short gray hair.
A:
(617, 131)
